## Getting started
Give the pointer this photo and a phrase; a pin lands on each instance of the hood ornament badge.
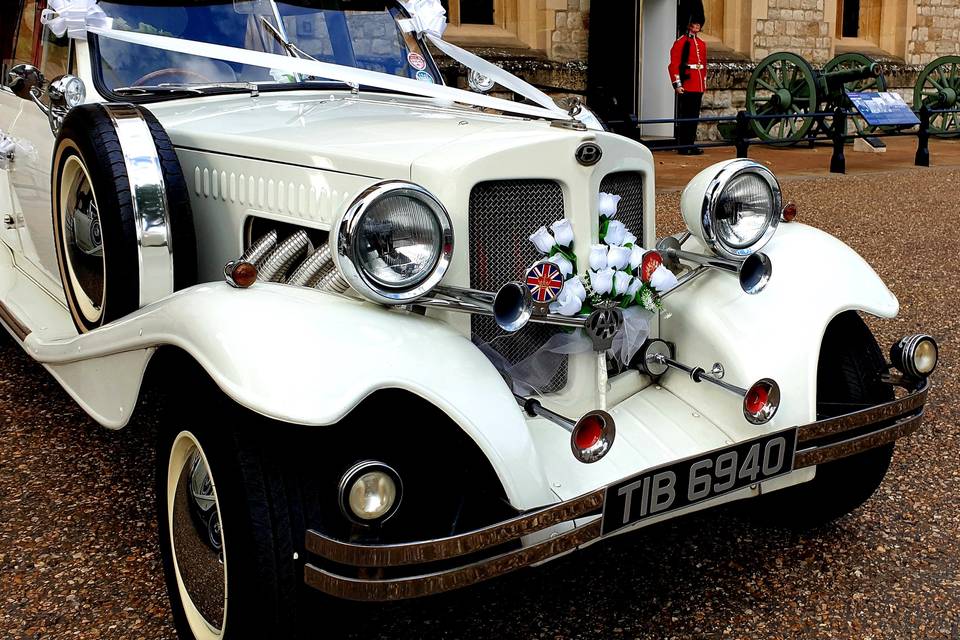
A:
(588, 154)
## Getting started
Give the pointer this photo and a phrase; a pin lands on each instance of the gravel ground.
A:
(79, 556)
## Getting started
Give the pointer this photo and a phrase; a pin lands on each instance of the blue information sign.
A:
(883, 108)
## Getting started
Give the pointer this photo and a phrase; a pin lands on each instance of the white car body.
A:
(302, 158)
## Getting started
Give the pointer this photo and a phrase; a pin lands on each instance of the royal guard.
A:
(688, 73)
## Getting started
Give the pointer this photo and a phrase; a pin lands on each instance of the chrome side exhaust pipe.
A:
(753, 273)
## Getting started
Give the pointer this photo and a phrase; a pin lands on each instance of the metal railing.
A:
(837, 135)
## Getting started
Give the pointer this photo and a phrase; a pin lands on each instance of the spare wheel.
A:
(122, 221)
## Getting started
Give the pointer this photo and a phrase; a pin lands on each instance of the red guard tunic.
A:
(696, 67)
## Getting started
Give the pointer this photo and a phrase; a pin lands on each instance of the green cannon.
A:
(938, 87)
(787, 88)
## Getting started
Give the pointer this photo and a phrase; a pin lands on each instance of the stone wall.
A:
(936, 32)
(794, 25)
(570, 24)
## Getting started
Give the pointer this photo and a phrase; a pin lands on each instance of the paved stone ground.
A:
(79, 557)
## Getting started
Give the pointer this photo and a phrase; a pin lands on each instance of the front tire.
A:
(224, 528)
(848, 379)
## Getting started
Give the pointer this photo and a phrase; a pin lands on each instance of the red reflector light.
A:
(756, 399)
(243, 274)
(789, 212)
(761, 401)
(589, 432)
(592, 436)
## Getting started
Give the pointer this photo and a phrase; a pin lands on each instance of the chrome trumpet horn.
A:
(512, 307)
(753, 273)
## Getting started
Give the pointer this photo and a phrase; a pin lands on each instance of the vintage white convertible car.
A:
(358, 287)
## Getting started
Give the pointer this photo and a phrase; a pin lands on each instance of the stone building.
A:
(549, 42)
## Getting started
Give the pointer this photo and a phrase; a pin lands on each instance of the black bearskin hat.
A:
(690, 11)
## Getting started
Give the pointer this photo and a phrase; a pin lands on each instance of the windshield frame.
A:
(96, 70)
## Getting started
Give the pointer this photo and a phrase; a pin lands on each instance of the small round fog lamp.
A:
(915, 356)
(67, 92)
(370, 492)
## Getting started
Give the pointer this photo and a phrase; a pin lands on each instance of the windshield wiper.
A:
(154, 90)
(296, 52)
(192, 89)
(292, 49)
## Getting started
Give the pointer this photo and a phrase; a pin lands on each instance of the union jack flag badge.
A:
(545, 281)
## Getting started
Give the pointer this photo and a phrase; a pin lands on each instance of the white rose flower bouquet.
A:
(621, 272)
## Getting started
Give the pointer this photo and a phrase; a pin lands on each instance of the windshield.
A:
(357, 33)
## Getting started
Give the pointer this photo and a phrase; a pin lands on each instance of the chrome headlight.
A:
(733, 207)
(68, 92)
(394, 243)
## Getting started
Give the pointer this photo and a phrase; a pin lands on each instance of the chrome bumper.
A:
(817, 443)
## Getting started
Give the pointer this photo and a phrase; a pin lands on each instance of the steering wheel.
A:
(171, 71)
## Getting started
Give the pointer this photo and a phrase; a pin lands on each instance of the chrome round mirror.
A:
(23, 79)
(480, 83)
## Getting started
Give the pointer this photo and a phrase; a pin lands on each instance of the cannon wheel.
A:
(782, 84)
(938, 87)
(843, 62)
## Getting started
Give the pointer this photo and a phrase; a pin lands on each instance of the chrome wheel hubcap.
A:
(196, 537)
(82, 238)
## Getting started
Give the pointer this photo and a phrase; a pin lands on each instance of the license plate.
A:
(686, 482)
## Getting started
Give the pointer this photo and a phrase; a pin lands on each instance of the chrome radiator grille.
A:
(503, 214)
(629, 186)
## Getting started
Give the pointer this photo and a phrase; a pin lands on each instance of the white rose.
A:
(608, 204)
(663, 280)
(567, 304)
(615, 233)
(575, 287)
(542, 239)
(598, 257)
(635, 285)
(602, 280)
(618, 257)
(566, 267)
(629, 238)
(636, 256)
(621, 281)
(563, 232)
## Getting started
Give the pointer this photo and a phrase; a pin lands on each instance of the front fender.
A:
(306, 357)
(776, 333)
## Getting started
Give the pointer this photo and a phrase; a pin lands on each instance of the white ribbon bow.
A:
(426, 17)
(73, 17)
(7, 146)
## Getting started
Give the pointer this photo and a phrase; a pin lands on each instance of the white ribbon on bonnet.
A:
(77, 18)
(73, 17)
